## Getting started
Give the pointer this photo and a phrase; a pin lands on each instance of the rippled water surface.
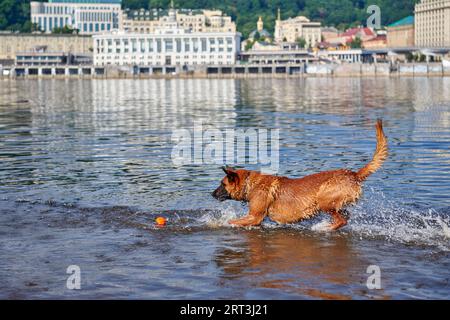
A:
(85, 167)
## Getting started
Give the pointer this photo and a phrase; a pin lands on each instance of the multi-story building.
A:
(86, 16)
(141, 21)
(11, 44)
(293, 29)
(329, 33)
(432, 26)
(166, 47)
(147, 21)
(170, 45)
(40, 57)
(400, 34)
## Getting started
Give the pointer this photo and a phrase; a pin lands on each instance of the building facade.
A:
(278, 57)
(432, 23)
(11, 44)
(166, 47)
(86, 16)
(296, 28)
(400, 34)
(43, 58)
(346, 56)
(147, 21)
(379, 42)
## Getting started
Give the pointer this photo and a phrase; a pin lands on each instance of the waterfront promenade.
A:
(227, 71)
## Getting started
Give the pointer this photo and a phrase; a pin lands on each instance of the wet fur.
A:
(287, 201)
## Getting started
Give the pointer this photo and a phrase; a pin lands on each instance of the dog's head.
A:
(232, 186)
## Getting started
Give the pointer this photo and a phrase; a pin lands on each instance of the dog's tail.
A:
(381, 154)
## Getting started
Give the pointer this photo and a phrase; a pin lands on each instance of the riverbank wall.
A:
(226, 71)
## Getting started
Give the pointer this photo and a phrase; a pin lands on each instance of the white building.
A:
(88, 16)
(147, 21)
(432, 23)
(347, 56)
(166, 47)
(293, 29)
(171, 45)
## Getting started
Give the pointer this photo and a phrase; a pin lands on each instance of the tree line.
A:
(15, 14)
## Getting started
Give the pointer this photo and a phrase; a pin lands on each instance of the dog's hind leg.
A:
(339, 220)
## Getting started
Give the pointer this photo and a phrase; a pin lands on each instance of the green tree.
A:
(15, 14)
(301, 42)
(257, 36)
(356, 43)
(249, 45)
(63, 30)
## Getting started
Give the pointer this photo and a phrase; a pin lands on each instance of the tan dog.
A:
(286, 200)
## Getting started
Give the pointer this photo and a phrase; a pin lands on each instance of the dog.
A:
(288, 201)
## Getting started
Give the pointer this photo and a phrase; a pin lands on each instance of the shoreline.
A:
(227, 71)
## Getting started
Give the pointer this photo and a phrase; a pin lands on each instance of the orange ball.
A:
(161, 221)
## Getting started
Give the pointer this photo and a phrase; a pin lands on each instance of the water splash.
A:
(375, 217)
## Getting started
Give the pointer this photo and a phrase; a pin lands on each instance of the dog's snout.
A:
(221, 194)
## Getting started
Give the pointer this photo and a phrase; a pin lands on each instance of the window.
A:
(169, 45)
(158, 45)
(150, 45)
(195, 44)
(134, 45)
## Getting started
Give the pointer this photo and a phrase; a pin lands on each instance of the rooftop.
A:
(358, 31)
(403, 22)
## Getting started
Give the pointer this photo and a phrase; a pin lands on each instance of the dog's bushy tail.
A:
(381, 154)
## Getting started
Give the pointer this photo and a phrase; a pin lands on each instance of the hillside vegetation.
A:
(15, 14)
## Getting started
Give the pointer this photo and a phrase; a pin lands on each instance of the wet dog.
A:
(287, 201)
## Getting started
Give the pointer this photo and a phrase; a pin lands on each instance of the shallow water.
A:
(86, 167)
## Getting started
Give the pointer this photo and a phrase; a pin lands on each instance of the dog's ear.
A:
(231, 174)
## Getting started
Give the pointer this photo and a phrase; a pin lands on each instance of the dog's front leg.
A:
(248, 221)
(256, 215)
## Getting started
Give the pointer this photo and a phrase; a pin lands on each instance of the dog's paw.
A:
(323, 226)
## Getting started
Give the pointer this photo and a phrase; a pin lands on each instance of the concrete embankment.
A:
(226, 71)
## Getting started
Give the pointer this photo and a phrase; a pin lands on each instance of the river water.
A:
(86, 167)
